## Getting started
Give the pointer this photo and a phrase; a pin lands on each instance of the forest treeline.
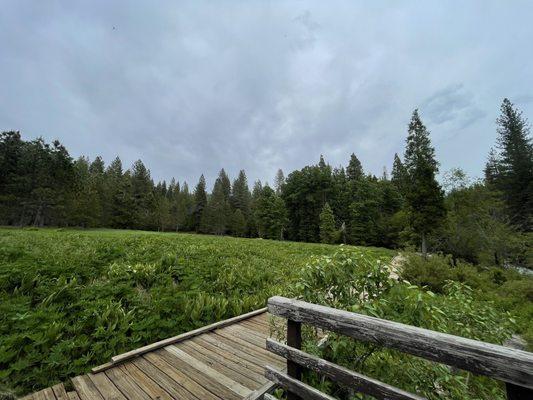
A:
(484, 221)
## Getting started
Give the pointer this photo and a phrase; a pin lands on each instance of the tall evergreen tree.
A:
(217, 215)
(328, 232)
(240, 194)
(143, 196)
(279, 181)
(399, 174)
(511, 171)
(270, 215)
(354, 171)
(200, 203)
(425, 198)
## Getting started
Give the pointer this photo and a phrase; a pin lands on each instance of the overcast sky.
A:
(190, 88)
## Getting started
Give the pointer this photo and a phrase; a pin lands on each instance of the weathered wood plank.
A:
(340, 374)
(229, 360)
(172, 378)
(268, 396)
(294, 339)
(216, 362)
(261, 392)
(59, 391)
(196, 378)
(252, 360)
(255, 368)
(506, 364)
(154, 390)
(106, 387)
(163, 343)
(48, 394)
(73, 395)
(124, 383)
(85, 388)
(258, 351)
(294, 386)
(207, 370)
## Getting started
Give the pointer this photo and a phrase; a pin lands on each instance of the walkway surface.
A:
(225, 362)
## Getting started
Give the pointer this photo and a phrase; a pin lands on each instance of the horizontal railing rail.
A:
(512, 366)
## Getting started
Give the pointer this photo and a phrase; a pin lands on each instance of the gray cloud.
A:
(192, 87)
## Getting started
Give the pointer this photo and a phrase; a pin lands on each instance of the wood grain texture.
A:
(176, 339)
(340, 374)
(295, 386)
(499, 362)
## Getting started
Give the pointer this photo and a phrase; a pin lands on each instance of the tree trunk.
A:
(424, 246)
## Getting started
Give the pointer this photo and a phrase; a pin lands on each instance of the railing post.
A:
(294, 339)
(515, 392)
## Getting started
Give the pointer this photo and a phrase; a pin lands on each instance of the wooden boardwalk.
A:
(223, 361)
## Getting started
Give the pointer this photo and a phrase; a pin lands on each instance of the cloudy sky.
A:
(193, 87)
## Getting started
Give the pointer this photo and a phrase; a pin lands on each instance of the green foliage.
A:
(423, 194)
(511, 170)
(328, 232)
(71, 299)
(352, 281)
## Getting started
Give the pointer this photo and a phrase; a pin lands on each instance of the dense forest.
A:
(482, 221)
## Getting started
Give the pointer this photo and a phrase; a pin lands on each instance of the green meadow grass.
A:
(71, 299)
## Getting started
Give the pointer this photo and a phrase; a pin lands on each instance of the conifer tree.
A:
(398, 174)
(216, 216)
(279, 182)
(238, 223)
(511, 171)
(354, 171)
(240, 194)
(424, 196)
(200, 202)
(328, 233)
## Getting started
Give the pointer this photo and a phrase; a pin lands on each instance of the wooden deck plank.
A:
(176, 372)
(106, 388)
(247, 335)
(223, 361)
(48, 394)
(172, 383)
(149, 386)
(206, 369)
(60, 392)
(258, 351)
(73, 395)
(200, 377)
(126, 385)
(244, 359)
(220, 363)
(262, 329)
(184, 336)
(85, 388)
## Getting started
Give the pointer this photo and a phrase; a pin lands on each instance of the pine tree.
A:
(217, 214)
(279, 182)
(512, 170)
(424, 196)
(240, 194)
(399, 175)
(328, 233)
(200, 202)
(270, 215)
(238, 224)
(354, 171)
(143, 196)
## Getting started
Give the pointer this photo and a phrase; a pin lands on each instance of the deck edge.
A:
(118, 359)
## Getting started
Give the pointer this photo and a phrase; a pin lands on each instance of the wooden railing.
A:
(514, 367)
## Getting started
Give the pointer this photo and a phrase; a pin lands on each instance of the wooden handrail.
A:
(515, 367)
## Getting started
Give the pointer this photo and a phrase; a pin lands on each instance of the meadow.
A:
(71, 299)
